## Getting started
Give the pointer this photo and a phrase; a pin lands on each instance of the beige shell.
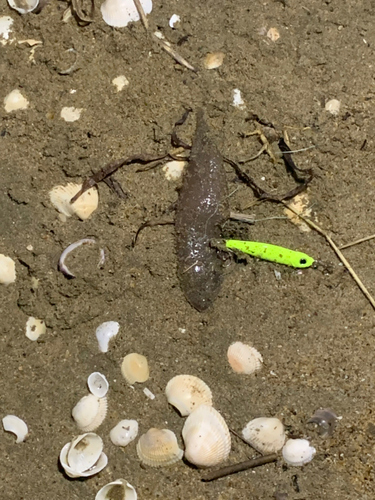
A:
(7, 270)
(35, 328)
(267, 435)
(134, 368)
(159, 448)
(187, 393)
(90, 412)
(244, 358)
(60, 197)
(206, 436)
(213, 60)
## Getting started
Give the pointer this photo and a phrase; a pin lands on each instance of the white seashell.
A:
(159, 448)
(124, 432)
(60, 197)
(267, 435)
(148, 393)
(174, 21)
(119, 13)
(135, 368)
(206, 436)
(273, 34)
(6, 23)
(15, 101)
(298, 452)
(35, 328)
(244, 358)
(14, 424)
(187, 393)
(98, 385)
(23, 6)
(213, 60)
(90, 412)
(105, 332)
(173, 169)
(7, 270)
(333, 107)
(120, 82)
(70, 114)
(84, 456)
(238, 101)
(119, 490)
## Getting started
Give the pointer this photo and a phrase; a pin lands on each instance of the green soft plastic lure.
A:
(269, 252)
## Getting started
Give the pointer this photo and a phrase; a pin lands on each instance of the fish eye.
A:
(302, 261)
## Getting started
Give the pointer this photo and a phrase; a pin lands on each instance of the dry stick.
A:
(357, 241)
(141, 13)
(232, 469)
(337, 251)
(168, 48)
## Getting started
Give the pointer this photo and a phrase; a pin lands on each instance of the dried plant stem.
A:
(357, 241)
(168, 48)
(141, 13)
(232, 469)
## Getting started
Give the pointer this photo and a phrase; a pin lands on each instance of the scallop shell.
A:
(7, 270)
(14, 424)
(35, 328)
(213, 60)
(135, 368)
(83, 456)
(119, 490)
(206, 436)
(119, 13)
(159, 448)
(23, 6)
(244, 358)
(90, 412)
(98, 385)
(187, 393)
(105, 332)
(267, 435)
(60, 197)
(298, 452)
(124, 432)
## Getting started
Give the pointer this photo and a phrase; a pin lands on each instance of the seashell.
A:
(124, 432)
(120, 82)
(90, 412)
(173, 169)
(105, 332)
(326, 419)
(15, 101)
(83, 456)
(98, 385)
(267, 435)
(174, 21)
(159, 448)
(14, 424)
(117, 490)
(213, 60)
(7, 270)
(23, 6)
(206, 437)
(60, 197)
(135, 368)
(333, 107)
(244, 358)
(6, 23)
(298, 452)
(70, 114)
(35, 328)
(187, 393)
(119, 13)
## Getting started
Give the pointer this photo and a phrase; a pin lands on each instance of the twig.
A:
(232, 469)
(158, 37)
(357, 241)
(141, 13)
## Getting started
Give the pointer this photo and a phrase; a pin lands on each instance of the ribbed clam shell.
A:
(83, 456)
(119, 13)
(117, 490)
(187, 393)
(159, 448)
(98, 384)
(244, 358)
(134, 368)
(206, 437)
(267, 435)
(17, 426)
(124, 432)
(298, 452)
(90, 412)
(60, 197)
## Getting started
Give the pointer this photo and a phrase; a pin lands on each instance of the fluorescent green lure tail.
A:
(270, 252)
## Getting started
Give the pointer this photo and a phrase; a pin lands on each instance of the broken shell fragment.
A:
(83, 456)
(134, 368)
(7, 270)
(89, 413)
(23, 6)
(206, 437)
(119, 490)
(60, 197)
(266, 435)
(326, 419)
(213, 60)
(71, 114)
(17, 426)
(35, 328)
(298, 452)
(187, 393)
(120, 82)
(124, 432)
(119, 13)
(244, 358)
(173, 169)
(98, 384)
(159, 448)
(15, 101)
(61, 265)
(105, 332)
(333, 107)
